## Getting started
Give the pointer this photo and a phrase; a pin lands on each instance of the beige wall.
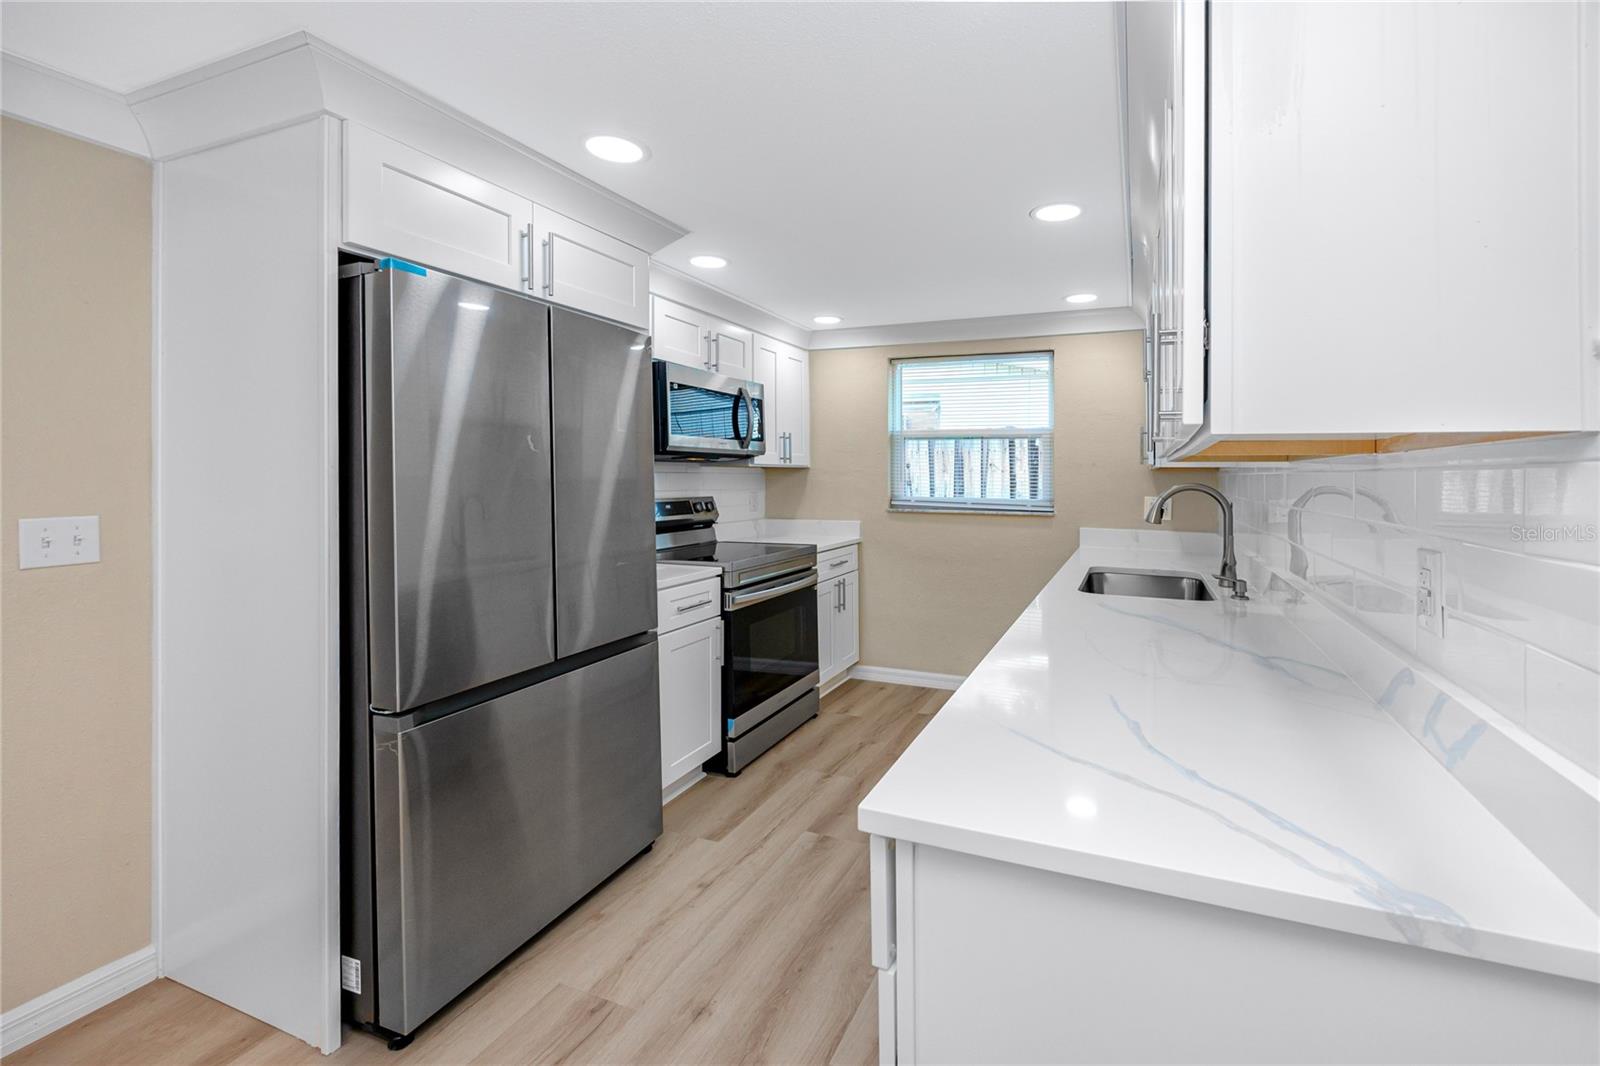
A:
(75, 719)
(937, 590)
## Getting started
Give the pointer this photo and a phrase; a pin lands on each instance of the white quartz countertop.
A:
(824, 533)
(1208, 751)
(671, 575)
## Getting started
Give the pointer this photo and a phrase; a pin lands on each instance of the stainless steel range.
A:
(769, 614)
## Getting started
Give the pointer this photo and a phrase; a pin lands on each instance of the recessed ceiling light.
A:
(1082, 298)
(1056, 212)
(826, 320)
(709, 262)
(465, 306)
(614, 149)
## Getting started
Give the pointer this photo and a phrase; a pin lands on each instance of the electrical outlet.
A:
(58, 541)
(1430, 591)
(1166, 508)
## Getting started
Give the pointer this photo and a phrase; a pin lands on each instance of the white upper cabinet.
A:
(1166, 135)
(402, 202)
(1400, 227)
(679, 334)
(578, 266)
(794, 404)
(731, 350)
(765, 371)
(784, 372)
(405, 203)
(1399, 217)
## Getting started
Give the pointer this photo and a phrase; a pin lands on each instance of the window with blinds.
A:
(972, 433)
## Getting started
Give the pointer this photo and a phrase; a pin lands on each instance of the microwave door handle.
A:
(743, 399)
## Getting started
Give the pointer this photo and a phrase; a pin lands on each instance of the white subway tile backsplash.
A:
(1481, 505)
(1520, 652)
(1320, 489)
(1387, 495)
(740, 491)
(1559, 511)
(1564, 708)
(1485, 663)
(1548, 603)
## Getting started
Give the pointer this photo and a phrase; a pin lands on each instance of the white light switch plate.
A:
(1166, 508)
(58, 541)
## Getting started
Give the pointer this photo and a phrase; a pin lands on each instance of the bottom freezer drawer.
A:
(493, 820)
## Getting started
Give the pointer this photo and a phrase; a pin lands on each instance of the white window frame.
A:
(899, 502)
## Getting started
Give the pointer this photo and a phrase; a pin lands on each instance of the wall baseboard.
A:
(890, 675)
(42, 1015)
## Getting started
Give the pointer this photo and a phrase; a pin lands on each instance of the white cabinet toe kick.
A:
(980, 960)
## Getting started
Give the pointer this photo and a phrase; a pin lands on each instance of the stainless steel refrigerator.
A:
(500, 740)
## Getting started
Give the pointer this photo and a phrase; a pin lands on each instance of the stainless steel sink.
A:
(1153, 584)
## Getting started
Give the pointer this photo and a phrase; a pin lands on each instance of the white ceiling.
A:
(871, 160)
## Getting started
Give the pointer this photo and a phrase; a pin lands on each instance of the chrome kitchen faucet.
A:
(1228, 577)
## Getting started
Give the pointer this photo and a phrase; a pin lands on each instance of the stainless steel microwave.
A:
(706, 417)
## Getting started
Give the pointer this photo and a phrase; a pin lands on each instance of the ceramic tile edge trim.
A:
(1516, 782)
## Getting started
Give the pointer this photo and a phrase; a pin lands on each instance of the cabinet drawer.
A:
(684, 605)
(399, 201)
(838, 561)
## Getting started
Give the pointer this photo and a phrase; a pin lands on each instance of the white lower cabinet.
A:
(838, 613)
(691, 698)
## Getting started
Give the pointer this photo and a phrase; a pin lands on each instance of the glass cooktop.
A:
(731, 554)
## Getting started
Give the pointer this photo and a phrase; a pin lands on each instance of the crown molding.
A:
(298, 77)
(45, 97)
(999, 327)
(672, 284)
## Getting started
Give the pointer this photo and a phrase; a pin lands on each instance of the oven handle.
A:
(734, 601)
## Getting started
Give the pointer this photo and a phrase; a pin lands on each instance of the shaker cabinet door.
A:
(794, 404)
(847, 624)
(578, 266)
(691, 698)
(402, 202)
(678, 334)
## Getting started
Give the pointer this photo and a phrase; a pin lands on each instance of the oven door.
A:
(771, 660)
(700, 415)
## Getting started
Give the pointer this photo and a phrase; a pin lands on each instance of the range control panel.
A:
(685, 512)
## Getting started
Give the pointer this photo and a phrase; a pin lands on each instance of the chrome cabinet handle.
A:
(838, 563)
(693, 606)
(527, 260)
(549, 267)
(708, 349)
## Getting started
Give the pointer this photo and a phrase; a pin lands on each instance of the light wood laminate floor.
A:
(742, 937)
